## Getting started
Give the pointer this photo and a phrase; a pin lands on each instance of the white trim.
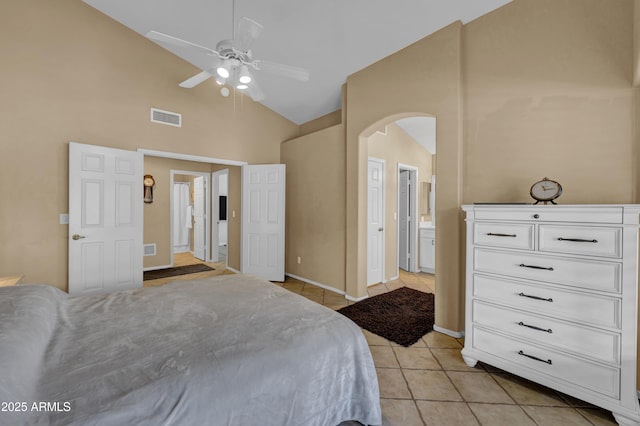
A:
(155, 268)
(189, 157)
(233, 269)
(456, 334)
(394, 278)
(355, 299)
(324, 286)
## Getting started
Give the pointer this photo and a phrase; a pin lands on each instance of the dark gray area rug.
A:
(178, 270)
(403, 315)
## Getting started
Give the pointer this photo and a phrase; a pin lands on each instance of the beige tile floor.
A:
(429, 383)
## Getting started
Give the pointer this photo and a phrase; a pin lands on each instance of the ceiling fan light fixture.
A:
(244, 77)
(220, 81)
(242, 86)
(224, 70)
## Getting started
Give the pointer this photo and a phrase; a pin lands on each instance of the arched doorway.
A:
(449, 288)
(401, 180)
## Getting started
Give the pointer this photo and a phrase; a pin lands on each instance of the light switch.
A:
(64, 218)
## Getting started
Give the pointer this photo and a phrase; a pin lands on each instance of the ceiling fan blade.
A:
(174, 41)
(196, 79)
(255, 92)
(289, 71)
(248, 30)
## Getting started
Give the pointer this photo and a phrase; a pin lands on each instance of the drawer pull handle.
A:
(522, 265)
(548, 330)
(535, 297)
(548, 361)
(577, 240)
(497, 234)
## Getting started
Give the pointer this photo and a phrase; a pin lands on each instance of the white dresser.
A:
(551, 295)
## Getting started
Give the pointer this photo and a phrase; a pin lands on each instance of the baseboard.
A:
(324, 286)
(355, 299)
(456, 334)
(155, 268)
(394, 278)
(233, 270)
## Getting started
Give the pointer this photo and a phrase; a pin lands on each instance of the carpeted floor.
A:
(402, 316)
(178, 270)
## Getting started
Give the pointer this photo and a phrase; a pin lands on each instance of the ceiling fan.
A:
(233, 60)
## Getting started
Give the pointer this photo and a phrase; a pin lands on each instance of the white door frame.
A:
(413, 224)
(383, 218)
(215, 217)
(207, 209)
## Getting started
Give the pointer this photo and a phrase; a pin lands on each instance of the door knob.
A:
(380, 229)
(77, 236)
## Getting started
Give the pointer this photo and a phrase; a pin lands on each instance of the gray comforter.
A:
(232, 350)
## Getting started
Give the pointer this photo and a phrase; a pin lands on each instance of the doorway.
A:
(407, 218)
(190, 213)
(410, 164)
(220, 196)
(182, 215)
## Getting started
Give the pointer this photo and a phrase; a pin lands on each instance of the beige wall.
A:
(69, 73)
(397, 147)
(327, 120)
(315, 206)
(548, 93)
(431, 85)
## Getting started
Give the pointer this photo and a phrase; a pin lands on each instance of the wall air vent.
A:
(150, 249)
(166, 117)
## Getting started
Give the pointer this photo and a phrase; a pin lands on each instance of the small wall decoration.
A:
(148, 182)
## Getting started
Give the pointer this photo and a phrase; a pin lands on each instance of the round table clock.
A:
(545, 190)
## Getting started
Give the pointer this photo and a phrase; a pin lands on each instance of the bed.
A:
(230, 350)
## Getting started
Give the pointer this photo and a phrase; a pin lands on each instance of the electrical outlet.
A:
(64, 218)
(299, 260)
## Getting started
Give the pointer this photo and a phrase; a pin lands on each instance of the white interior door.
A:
(375, 229)
(403, 220)
(263, 205)
(105, 219)
(199, 218)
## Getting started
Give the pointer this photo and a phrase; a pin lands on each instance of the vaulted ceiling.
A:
(330, 38)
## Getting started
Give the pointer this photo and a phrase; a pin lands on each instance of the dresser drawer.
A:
(590, 341)
(557, 365)
(591, 274)
(582, 240)
(603, 214)
(560, 302)
(505, 235)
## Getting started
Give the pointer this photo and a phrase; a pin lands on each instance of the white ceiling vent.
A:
(166, 117)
